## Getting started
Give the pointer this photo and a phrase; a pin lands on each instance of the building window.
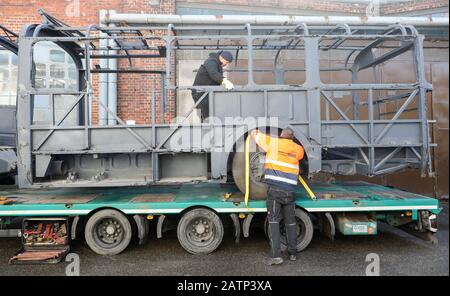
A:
(8, 77)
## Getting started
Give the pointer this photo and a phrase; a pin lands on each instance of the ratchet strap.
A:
(311, 194)
(247, 170)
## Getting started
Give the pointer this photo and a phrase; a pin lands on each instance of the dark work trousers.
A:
(281, 206)
(204, 105)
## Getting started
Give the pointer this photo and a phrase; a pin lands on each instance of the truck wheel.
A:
(108, 232)
(200, 231)
(258, 189)
(305, 231)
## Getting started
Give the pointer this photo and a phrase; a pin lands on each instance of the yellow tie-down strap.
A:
(311, 194)
(247, 170)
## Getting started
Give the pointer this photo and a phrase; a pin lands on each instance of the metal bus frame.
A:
(101, 155)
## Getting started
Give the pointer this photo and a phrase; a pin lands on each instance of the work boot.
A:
(293, 257)
(273, 261)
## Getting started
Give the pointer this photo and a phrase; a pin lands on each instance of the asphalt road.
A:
(399, 253)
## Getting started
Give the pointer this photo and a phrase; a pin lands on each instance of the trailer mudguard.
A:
(327, 226)
(159, 226)
(246, 225)
(237, 227)
(143, 228)
(73, 228)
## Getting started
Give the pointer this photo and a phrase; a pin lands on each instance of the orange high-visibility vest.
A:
(282, 159)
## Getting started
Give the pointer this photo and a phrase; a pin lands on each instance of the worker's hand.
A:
(227, 84)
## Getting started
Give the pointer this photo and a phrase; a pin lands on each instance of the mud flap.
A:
(159, 227)
(327, 226)
(143, 228)
(237, 227)
(246, 225)
(73, 228)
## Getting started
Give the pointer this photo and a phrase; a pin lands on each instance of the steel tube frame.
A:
(269, 20)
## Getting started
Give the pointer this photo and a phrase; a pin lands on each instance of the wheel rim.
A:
(257, 161)
(108, 233)
(200, 231)
(301, 230)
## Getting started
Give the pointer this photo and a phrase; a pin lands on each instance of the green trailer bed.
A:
(173, 199)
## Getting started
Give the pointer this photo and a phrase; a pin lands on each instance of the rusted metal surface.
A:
(340, 195)
(37, 255)
(440, 130)
(51, 198)
(150, 197)
(5, 200)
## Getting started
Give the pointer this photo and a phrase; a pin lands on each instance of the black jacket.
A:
(210, 72)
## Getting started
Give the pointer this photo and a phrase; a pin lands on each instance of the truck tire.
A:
(258, 189)
(108, 232)
(305, 231)
(200, 231)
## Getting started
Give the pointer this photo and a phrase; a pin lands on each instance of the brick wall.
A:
(318, 5)
(323, 6)
(415, 5)
(134, 90)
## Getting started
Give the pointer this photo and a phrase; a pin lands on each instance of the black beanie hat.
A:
(227, 55)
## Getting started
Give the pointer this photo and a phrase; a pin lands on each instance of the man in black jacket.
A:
(211, 73)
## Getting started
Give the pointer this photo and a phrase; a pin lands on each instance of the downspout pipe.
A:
(103, 79)
(112, 82)
(114, 18)
(112, 86)
(107, 81)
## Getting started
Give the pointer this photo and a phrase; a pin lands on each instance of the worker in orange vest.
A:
(283, 157)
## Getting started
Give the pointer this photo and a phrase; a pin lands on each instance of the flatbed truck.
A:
(110, 217)
(71, 167)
